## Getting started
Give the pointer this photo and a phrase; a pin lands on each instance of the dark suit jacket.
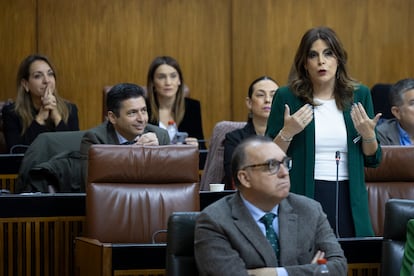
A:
(191, 122)
(105, 134)
(231, 141)
(388, 132)
(13, 126)
(228, 240)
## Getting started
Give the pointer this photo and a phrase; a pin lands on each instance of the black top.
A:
(12, 125)
(231, 141)
(191, 123)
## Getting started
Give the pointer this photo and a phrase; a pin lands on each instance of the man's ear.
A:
(396, 112)
(112, 117)
(243, 178)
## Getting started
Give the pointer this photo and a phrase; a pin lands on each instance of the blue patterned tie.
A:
(271, 235)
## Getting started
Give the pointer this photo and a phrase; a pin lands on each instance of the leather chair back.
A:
(214, 167)
(132, 190)
(397, 214)
(393, 178)
(180, 245)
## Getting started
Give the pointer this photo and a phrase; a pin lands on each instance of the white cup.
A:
(216, 187)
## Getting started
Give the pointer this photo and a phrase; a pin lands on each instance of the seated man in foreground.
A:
(232, 237)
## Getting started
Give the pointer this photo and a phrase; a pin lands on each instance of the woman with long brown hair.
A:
(38, 107)
(325, 121)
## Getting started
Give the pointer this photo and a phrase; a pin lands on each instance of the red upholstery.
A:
(394, 178)
(214, 168)
(132, 190)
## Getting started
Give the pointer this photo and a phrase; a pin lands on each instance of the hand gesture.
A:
(191, 141)
(293, 124)
(363, 124)
(49, 103)
(148, 139)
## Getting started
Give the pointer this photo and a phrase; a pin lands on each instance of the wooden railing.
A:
(8, 182)
(38, 246)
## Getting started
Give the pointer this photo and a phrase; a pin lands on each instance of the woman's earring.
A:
(250, 115)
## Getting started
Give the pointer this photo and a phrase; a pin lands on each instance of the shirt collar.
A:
(121, 138)
(256, 212)
(404, 137)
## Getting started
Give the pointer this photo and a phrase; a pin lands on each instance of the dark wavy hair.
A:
(299, 80)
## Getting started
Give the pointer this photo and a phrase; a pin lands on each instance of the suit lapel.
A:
(288, 232)
(249, 229)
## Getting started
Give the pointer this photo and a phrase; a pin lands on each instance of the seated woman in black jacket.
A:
(38, 107)
(167, 103)
(258, 101)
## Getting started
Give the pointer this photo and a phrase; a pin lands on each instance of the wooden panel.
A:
(377, 36)
(38, 246)
(18, 39)
(8, 182)
(101, 42)
(364, 269)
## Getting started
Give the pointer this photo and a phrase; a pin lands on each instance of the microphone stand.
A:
(337, 158)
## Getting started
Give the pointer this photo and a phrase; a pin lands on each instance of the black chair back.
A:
(397, 214)
(180, 244)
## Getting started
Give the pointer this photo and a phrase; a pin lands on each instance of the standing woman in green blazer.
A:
(324, 120)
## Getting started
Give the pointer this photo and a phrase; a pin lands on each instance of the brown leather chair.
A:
(214, 167)
(131, 192)
(393, 178)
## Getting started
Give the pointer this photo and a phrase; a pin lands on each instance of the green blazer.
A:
(302, 150)
(408, 259)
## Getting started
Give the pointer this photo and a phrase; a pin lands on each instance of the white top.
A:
(330, 136)
(172, 129)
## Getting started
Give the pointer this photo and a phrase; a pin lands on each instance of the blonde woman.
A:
(38, 107)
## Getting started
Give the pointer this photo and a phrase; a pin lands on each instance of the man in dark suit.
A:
(231, 239)
(127, 121)
(400, 130)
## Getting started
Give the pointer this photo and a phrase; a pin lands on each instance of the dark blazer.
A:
(13, 126)
(228, 240)
(231, 141)
(105, 134)
(191, 123)
(388, 132)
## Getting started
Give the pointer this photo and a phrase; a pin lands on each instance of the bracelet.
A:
(284, 138)
(369, 140)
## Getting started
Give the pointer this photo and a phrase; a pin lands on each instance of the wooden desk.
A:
(37, 233)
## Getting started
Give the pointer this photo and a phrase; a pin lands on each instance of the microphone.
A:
(337, 158)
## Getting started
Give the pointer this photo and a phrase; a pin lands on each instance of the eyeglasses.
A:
(273, 165)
